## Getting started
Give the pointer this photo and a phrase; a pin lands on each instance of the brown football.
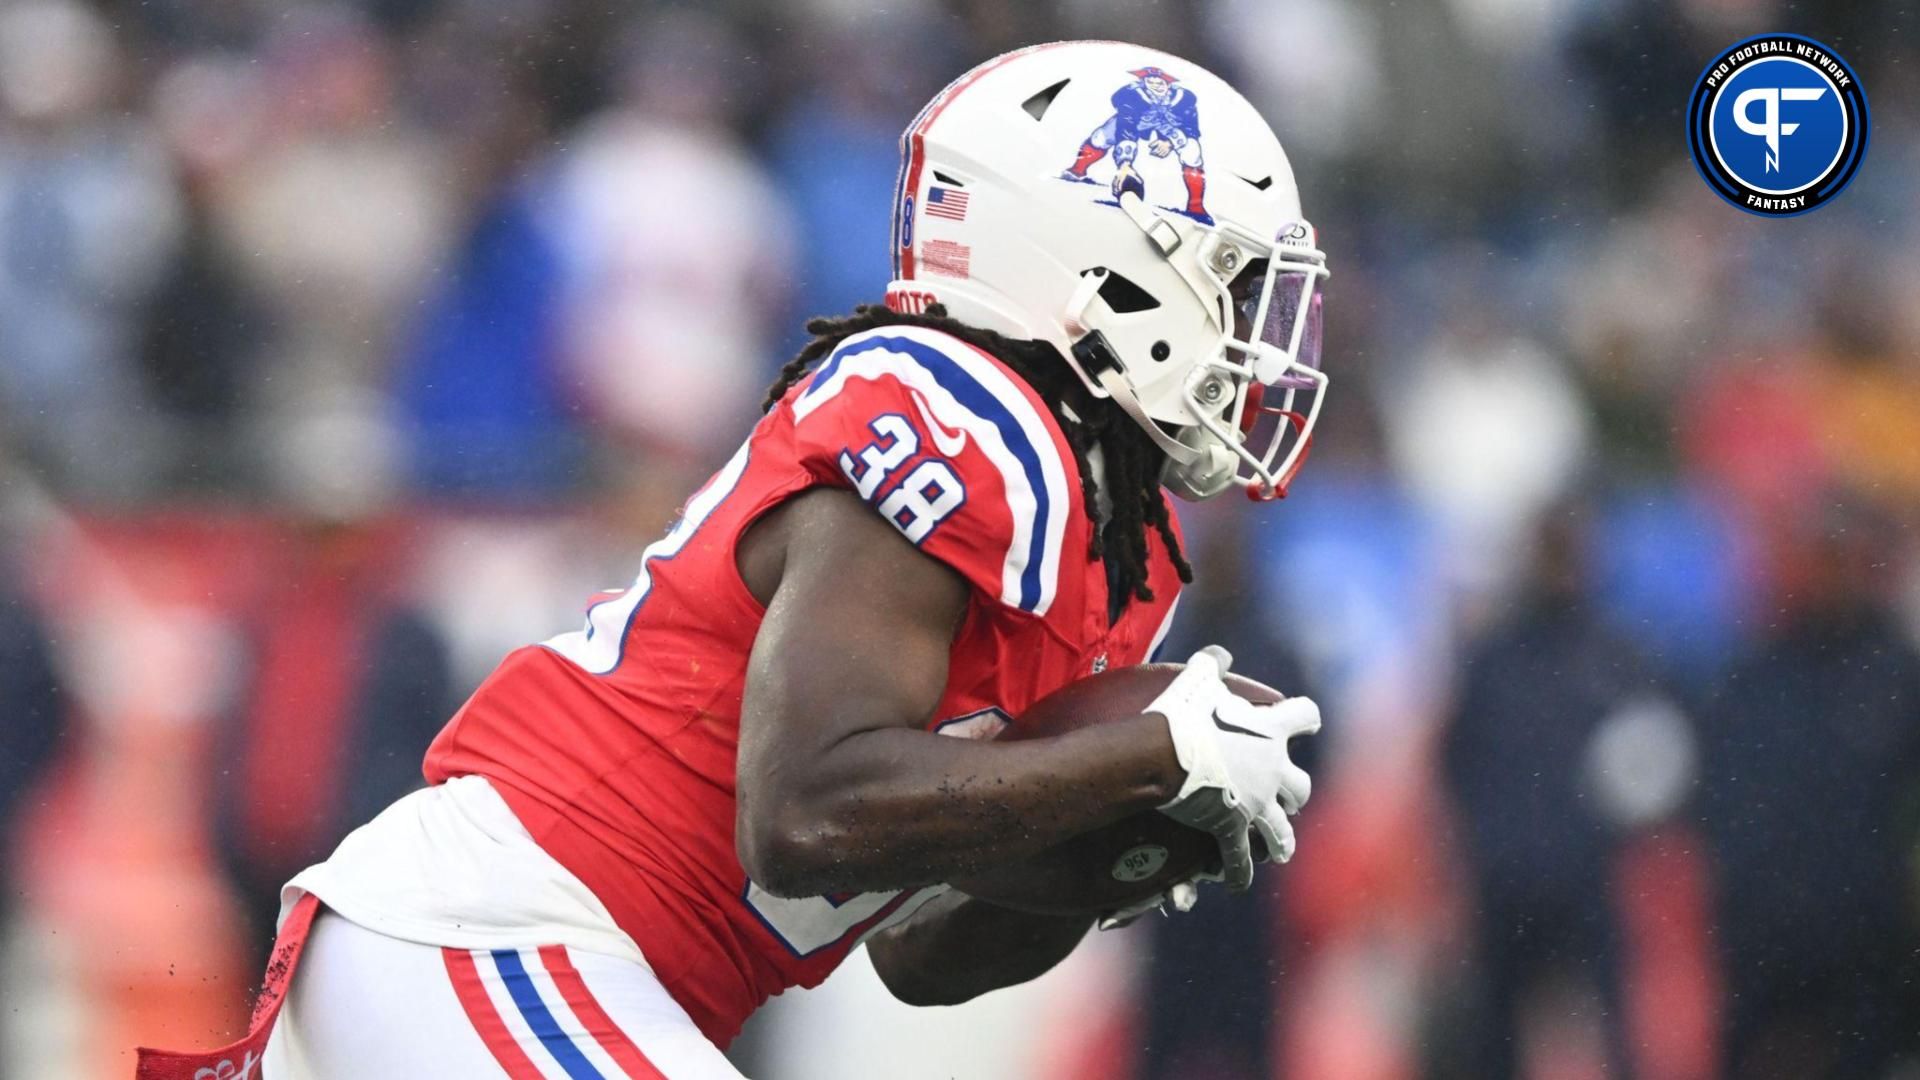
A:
(1120, 864)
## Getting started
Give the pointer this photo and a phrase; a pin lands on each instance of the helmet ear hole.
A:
(1123, 296)
(1161, 350)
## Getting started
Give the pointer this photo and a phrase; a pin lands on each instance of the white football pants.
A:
(365, 1006)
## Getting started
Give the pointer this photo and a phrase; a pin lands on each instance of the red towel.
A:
(241, 1060)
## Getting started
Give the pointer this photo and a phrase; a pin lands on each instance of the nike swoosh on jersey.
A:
(1235, 728)
(946, 440)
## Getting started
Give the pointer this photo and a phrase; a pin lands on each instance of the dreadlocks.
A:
(1131, 461)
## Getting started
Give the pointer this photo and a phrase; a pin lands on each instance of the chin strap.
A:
(1167, 238)
(1193, 472)
(1122, 395)
(1159, 230)
(1192, 469)
(1097, 361)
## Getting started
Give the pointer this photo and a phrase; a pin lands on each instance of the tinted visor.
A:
(1283, 313)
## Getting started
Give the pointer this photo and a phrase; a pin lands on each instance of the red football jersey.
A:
(616, 744)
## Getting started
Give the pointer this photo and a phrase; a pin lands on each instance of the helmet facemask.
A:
(1272, 352)
(1235, 416)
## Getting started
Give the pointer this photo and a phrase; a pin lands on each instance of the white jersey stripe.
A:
(1053, 471)
(1160, 635)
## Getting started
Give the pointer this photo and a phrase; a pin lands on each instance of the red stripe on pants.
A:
(588, 1011)
(485, 1018)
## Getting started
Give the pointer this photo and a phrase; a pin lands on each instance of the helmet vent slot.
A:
(1123, 296)
(943, 178)
(1261, 184)
(1038, 104)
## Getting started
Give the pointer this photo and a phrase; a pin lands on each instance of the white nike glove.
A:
(1239, 777)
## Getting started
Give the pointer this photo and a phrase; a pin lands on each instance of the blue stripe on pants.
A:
(520, 986)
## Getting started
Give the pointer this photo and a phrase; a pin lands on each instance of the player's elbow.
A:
(926, 985)
(790, 855)
(921, 989)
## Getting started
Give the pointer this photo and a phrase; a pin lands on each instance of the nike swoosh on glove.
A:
(1240, 777)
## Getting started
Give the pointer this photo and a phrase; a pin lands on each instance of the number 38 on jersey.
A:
(922, 498)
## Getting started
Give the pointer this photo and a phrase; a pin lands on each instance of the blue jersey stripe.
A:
(527, 998)
(979, 400)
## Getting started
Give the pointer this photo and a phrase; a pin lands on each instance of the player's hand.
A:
(1160, 147)
(1240, 779)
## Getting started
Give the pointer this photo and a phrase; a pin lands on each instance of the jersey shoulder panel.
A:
(951, 447)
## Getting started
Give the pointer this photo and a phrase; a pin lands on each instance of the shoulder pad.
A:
(951, 447)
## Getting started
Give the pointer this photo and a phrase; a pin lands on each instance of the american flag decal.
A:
(949, 203)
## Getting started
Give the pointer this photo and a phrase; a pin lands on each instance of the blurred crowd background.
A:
(344, 347)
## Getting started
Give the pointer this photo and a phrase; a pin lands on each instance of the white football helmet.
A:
(1120, 203)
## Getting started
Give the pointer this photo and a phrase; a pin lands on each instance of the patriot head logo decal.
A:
(1154, 113)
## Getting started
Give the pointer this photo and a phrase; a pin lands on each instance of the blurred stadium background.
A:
(344, 347)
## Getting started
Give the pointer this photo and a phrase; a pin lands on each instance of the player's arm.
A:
(840, 788)
(956, 948)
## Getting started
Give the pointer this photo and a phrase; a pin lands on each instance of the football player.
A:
(771, 747)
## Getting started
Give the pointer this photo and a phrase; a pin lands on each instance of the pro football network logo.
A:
(1778, 124)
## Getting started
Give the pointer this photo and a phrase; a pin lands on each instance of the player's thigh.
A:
(366, 1005)
(372, 1007)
